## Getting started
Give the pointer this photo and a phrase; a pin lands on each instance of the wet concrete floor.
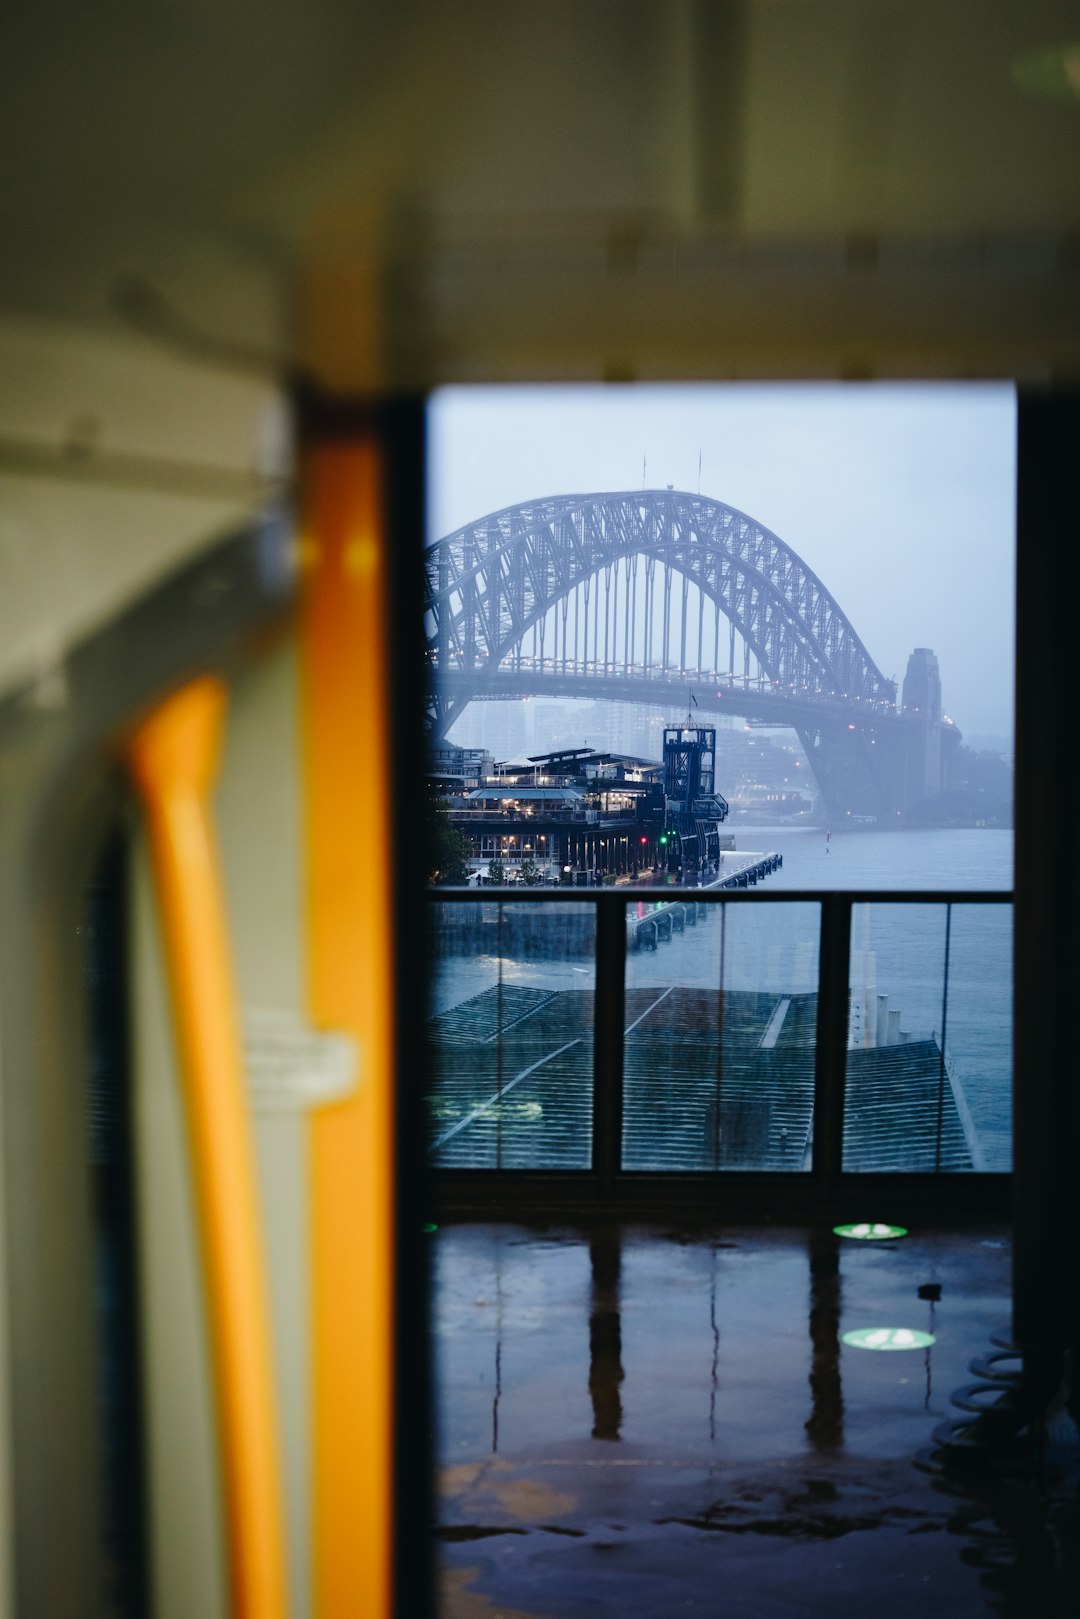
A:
(638, 1421)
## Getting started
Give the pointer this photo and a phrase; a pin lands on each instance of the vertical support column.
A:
(682, 652)
(346, 680)
(1046, 1289)
(596, 623)
(615, 617)
(633, 610)
(468, 602)
(831, 1048)
(628, 655)
(608, 1047)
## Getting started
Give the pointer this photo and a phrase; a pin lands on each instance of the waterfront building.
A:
(576, 813)
(453, 771)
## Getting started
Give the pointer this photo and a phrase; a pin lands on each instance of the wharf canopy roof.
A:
(558, 795)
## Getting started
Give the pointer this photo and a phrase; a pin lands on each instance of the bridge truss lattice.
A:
(514, 573)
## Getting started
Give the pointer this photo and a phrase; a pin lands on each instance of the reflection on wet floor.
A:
(825, 1424)
(634, 1422)
(605, 1334)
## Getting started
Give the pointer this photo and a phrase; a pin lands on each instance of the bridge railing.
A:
(823, 1051)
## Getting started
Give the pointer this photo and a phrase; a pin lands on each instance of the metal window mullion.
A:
(609, 1020)
(831, 1044)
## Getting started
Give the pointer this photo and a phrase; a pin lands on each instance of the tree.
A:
(449, 848)
(531, 875)
(496, 873)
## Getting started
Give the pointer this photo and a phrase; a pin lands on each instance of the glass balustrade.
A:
(928, 1082)
(510, 1041)
(704, 1034)
(720, 1034)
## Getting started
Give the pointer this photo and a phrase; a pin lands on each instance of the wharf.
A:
(736, 871)
(741, 870)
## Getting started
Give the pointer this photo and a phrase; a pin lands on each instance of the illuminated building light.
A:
(888, 1338)
(867, 1231)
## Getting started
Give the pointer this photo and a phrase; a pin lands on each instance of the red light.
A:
(644, 840)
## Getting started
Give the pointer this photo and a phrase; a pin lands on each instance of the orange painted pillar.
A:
(345, 674)
(173, 758)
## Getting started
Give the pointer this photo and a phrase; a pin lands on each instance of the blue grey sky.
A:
(901, 497)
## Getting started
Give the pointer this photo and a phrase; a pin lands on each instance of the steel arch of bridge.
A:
(491, 581)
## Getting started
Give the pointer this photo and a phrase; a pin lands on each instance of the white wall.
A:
(117, 460)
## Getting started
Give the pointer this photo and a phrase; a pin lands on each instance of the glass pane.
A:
(929, 1063)
(510, 1050)
(580, 601)
(721, 1019)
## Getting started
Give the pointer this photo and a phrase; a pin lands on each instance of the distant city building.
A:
(510, 729)
(458, 770)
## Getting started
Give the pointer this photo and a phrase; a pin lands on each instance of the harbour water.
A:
(948, 858)
(897, 950)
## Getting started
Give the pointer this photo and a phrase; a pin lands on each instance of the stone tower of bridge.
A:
(921, 709)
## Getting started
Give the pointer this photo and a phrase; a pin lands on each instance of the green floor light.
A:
(868, 1231)
(889, 1338)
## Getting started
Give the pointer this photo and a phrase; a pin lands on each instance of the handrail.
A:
(613, 909)
(673, 893)
(173, 761)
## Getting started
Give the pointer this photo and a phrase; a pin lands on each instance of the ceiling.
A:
(403, 193)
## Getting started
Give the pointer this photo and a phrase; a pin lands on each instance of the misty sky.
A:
(900, 497)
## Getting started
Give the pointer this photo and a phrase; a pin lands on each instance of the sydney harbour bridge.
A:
(645, 595)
